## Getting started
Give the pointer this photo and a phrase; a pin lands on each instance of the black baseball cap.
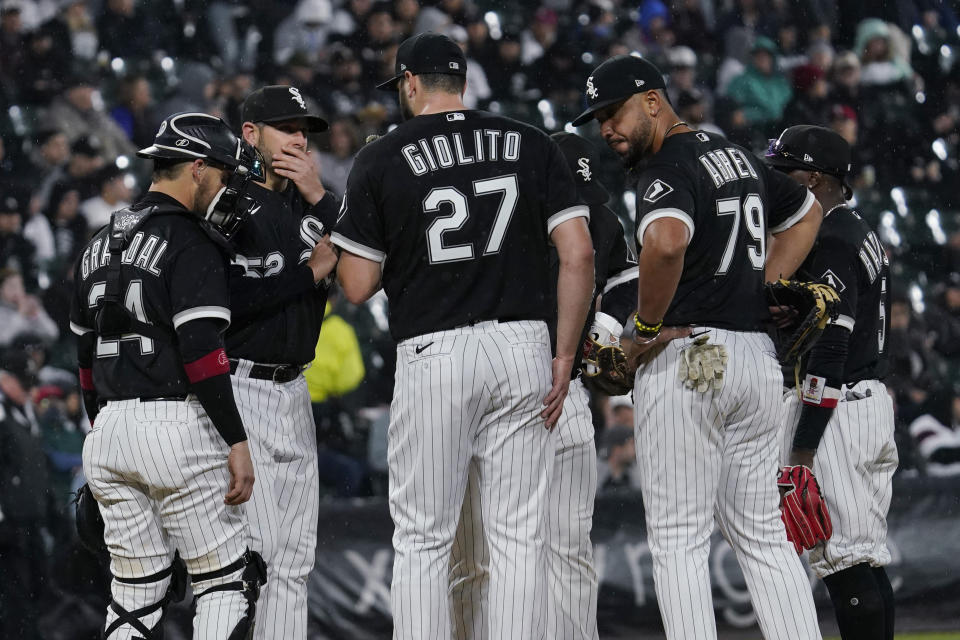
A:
(617, 79)
(811, 148)
(427, 53)
(581, 157)
(279, 102)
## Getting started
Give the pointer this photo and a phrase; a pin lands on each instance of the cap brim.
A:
(779, 162)
(315, 124)
(587, 115)
(156, 151)
(390, 85)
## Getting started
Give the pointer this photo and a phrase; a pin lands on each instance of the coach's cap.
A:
(617, 79)
(279, 102)
(812, 148)
(581, 157)
(427, 53)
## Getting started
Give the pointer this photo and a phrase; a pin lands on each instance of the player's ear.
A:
(251, 133)
(410, 84)
(196, 170)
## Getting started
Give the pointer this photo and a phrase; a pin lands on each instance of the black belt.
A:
(279, 373)
(182, 398)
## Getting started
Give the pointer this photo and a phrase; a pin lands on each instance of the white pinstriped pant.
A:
(854, 466)
(471, 394)
(571, 577)
(159, 472)
(713, 458)
(284, 507)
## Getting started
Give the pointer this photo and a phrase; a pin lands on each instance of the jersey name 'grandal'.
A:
(144, 257)
(445, 151)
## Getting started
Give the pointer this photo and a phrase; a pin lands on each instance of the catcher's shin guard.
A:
(175, 592)
(252, 572)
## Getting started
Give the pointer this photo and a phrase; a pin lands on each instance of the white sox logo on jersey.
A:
(591, 90)
(584, 169)
(834, 281)
(297, 97)
(657, 189)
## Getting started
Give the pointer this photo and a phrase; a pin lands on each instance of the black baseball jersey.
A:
(171, 273)
(277, 309)
(614, 265)
(458, 206)
(849, 257)
(729, 201)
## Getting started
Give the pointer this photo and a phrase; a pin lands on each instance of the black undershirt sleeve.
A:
(826, 363)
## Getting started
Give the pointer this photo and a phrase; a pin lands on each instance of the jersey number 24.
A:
(133, 301)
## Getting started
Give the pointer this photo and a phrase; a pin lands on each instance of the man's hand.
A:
(295, 164)
(633, 351)
(562, 366)
(323, 259)
(241, 474)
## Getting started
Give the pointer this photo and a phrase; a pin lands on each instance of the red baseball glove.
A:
(802, 508)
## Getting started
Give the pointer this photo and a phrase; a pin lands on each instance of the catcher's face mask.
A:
(232, 205)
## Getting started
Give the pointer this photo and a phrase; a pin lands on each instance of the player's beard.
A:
(406, 110)
(205, 194)
(639, 143)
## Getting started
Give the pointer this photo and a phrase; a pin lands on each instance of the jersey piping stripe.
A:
(656, 214)
(795, 218)
(77, 329)
(843, 321)
(624, 276)
(220, 313)
(359, 249)
(576, 211)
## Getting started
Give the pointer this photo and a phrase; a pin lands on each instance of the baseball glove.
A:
(604, 366)
(802, 508)
(803, 310)
(89, 521)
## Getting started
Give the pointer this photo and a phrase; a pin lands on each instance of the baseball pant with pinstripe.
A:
(470, 395)
(854, 466)
(712, 458)
(571, 577)
(159, 473)
(284, 507)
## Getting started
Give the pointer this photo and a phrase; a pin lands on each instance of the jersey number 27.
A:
(439, 253)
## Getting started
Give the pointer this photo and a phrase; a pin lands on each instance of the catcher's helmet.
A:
(188, 136)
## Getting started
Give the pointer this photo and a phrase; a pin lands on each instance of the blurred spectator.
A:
(345, 92)
(820, 54)
(69, 227)
(73, 24)
(617, 456)
(936, 433)
(693, 109)
(682, 66)
(540, 36)
(761, 90)
(478, 89)
(621, 411)
(334, 165)
(943, 318)
(16, 252)
(194, 91)
(304, 33)
(845, 80)
(78, 112)
(135, 110)
(809, 104)
(21, 312)
(405, 14)
(233, 91)
(379, 34)
(49, 159)
(25, 503)
(114, 194)
(690, 25)
(736, 54)
(123, 30)
(884, 53)
(912, 362)
(350, 17)
(12, 45)
(40, 78)
(512, 79)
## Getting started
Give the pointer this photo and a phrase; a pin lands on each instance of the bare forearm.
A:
(789, 248)
(574, 295)
(659, 276)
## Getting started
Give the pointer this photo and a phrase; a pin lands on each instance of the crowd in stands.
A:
(84, 83)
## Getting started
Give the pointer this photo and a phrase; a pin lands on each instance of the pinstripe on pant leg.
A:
(470, 568)
(747, 506)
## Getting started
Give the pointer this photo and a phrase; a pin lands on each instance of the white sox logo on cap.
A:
(297, 97)
(584, 169)
(591, 90)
